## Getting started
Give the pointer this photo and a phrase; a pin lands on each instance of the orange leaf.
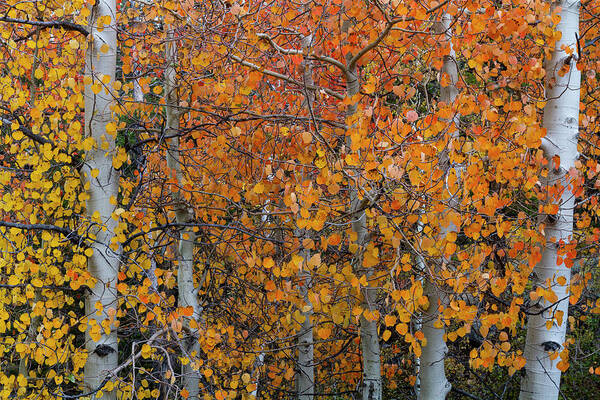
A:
(324, 333)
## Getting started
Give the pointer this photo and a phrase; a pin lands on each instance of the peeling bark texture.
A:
(305, 377)
(432, 375)
(188, 293)
(103, 265)
(561, 120)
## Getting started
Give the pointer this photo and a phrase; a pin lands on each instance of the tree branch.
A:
(462, 392)
(285, 78)
(28, 132)
(114, 372)
(280, 49)
(66, 25)
(390, 24)
(199, 225)
(69, 234)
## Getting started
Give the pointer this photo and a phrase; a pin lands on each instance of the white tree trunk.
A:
(432, 376)
(103, 265)
(258, 363)
(369, 338)
(432, 379)
(305, 377)
(561, 120)
(188, 293)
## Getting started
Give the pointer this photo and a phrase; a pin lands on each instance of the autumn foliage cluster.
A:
(326, 171)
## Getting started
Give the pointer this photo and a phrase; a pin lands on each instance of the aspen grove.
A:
(277, 199)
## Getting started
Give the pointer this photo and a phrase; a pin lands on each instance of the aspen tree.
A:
(432, 379)
(187, 290)
(305, 378)
(547, 322)
(101, 180)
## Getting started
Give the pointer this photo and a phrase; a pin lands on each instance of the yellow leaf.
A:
(417, 350)
(315, 260)
(268, 263)
(95, 333)
(386, 335)
(96, 88)
(259, 188)
(221, 395)
(245, 378)
(236, 131)
(402, 329)
(306, 137)
(111, 128)
(390, 320)
(324, 333)
(74, 44)
(146, 350)
(562, 365)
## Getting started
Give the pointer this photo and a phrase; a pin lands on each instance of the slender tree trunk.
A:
(188, 293)
(258, 363)
(305, 377)
(103, 265)
(561, 120)
(432, 379)
(369, 338)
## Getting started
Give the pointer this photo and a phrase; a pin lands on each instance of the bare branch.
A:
(282, 50)
(285, 77)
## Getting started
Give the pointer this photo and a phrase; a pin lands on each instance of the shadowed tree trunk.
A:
(188, 293)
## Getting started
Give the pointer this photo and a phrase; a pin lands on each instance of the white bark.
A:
(369, 338)
(432, 376)
(305, 377)
(188, 293)
(103, 265)
(257, 366)
(432, 379)
(561, 120)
